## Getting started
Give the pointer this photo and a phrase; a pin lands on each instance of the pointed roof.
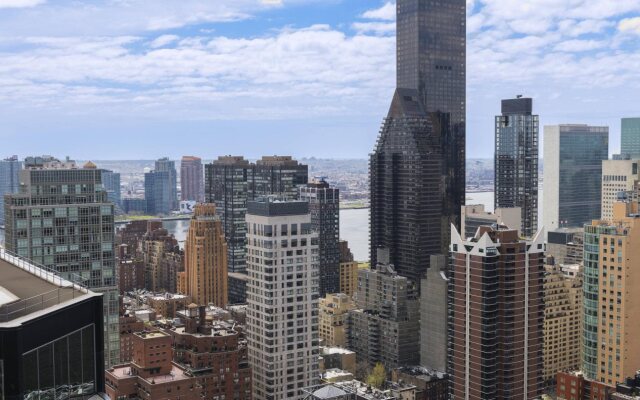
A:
(89, 165)
(406, 103)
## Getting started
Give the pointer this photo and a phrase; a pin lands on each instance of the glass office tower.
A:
(630, 135)
(9, 180)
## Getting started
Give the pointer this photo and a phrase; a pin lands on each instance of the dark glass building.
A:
(231, 181)
(573, 156)
(516, 161)
(431, 58)
(413, 221)
(51, 334)
(157, 192)
(168, 166)
(324, 206)
(406, 208)
(9, 180)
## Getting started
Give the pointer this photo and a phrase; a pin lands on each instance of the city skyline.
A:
(576, 59)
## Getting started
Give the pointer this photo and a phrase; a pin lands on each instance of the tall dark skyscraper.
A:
(418, 202)
(168, 166)
(324, 206)
(157, 192)
(516, 162)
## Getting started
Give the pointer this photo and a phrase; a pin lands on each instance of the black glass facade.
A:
(516, 161)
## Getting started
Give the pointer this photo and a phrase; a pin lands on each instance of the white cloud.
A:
(580, 45)
(387, 12)
(20, 3)
(163, 40)
(630, 25)
(378, 28)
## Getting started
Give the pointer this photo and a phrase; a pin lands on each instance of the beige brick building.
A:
(334, 312)
(562, 319)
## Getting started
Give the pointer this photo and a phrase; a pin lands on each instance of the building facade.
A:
(630, 138)
(9, 180)
(162, 258)
(618, 178)
(157, 194)
(62, 219)
(348, 270)
(169, 166)
(191, 179)
(334, 314)
(573, 156)
(496, 300)
(206, 258)
(111, 182)
(434, 316)
(53, 347)
(562, 319)
(431, 58)
(231, 181)
(475, 216)
(406, 215)
(610, 351)
(282, 296)
(324, 206)
(385, 325)
(516, 162)
(566, 245)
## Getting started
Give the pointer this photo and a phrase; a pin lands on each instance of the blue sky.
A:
(140, 79)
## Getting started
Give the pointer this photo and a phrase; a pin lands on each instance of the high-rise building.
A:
(630, 138)
(385, 327)
(9, 180)
(496, 314)
(611, 350)
(191, 179)
(282, 296)
(431, 58)
(157, 192)
(348, 270)
(573, 156)
(111, 182)
(62, 219)
(417, 169)
(406, 215)
(618, 178)
(226, 185)
(206, 258)
(516, 162)
(230, 181)
(562, 319)
(334, 313)
(324, 205)
(433, 316)
(51, 330)
(475, 216)
(169, 166)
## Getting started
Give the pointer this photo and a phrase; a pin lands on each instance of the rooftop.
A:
(27, 289)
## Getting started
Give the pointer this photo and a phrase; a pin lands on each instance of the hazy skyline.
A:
(140, 79)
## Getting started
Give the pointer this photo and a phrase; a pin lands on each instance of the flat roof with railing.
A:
(26, 288)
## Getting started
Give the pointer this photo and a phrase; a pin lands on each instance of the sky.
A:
(141, 79)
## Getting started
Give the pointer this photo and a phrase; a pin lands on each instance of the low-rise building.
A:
(129, 324)
(337, 358)
(168, 304)
(348, 270)
(430, 385)
(334, 315)
(575, 386)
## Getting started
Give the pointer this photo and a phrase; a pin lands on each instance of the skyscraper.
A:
(431, 58)
(618, 177)
(157, 192)
(630, 138)
(611, 351)
(496, 314)
(573, 156)
(62, 219)
(169, 166)
(417, 169)
(406, 206)
(111, 182)
(191, 179)
(433, 316)
(206, 258)
(324, 205)
(282, 296)
(516, 162)
(230, 181)
(9, 180)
